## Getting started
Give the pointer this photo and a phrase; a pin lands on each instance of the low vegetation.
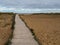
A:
(46, 27)
(6, 20)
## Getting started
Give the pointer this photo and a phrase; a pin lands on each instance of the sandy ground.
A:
(21, 34)
(5, 27)
(45, 27)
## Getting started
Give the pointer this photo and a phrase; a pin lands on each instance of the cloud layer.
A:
(21, 10)
(31, 3)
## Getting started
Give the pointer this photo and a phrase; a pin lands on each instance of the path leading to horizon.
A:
(21, 34)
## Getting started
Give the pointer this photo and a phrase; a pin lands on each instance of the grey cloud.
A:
(31, 3)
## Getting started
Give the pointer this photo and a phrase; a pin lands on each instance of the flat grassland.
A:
(45, 26)
(5, 27)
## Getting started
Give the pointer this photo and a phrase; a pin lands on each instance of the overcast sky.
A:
(29, 4)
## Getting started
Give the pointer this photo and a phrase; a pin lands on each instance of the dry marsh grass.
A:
(5, 27)
(45, 26)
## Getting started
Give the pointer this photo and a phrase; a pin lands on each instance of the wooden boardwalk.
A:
(22, 35)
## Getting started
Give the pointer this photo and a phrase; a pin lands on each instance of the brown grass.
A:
(5, 27)
(45, 27)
